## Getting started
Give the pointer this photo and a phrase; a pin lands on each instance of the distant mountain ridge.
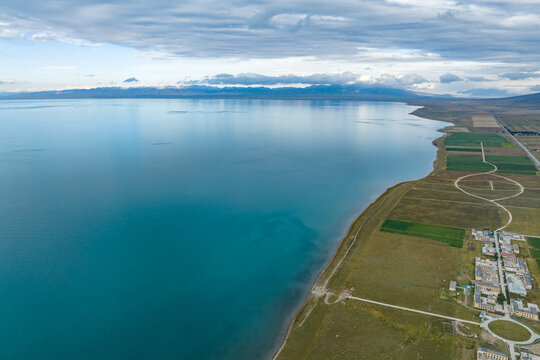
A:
(314, 92)
(195, 91)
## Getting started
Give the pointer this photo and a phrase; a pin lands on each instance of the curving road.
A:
(320, 291)
(533, 336)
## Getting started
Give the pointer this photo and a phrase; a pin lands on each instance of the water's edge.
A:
(284, 334)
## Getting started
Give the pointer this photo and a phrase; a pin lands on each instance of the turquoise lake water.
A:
(182, 229)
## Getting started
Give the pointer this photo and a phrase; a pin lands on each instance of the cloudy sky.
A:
(475, 47)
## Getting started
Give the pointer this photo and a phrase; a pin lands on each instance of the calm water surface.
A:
(181, 229)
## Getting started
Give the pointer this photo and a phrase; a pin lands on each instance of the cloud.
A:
(411, 79)
(449, 78)
(482, 92)
(8, 31)
(389, 80)
(42, 36)
(345, 78)
(495, 30)
(478, 78)
(131, 80)
(258, 79)
(535, 88)
(520, 75)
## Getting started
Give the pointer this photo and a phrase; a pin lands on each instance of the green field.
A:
(505, 164)
(474, 140)
(463, 149)
(458, 163)
(451, 236)
(512, 164)
(535, 253)
(534, 242)
(509, 330)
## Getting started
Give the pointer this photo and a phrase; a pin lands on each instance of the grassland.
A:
(451, 236)
(474, 140)
(509, 330)
(525, 220)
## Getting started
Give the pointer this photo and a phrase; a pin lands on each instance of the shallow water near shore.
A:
(182, 229)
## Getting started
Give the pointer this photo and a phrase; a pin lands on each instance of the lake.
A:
(182, 229)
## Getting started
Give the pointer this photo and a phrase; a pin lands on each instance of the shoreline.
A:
(349, 240)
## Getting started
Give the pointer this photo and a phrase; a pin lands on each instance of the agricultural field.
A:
(451, 236)
(463, 149)
(532, 143)
(526, 120)
(512, 164)
(484, 121)
(469, 164)
(534, 242)
(449, 213)
(535, 253)
(474, 140)
(505, 164)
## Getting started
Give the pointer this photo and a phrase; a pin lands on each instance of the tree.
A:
(501, 298)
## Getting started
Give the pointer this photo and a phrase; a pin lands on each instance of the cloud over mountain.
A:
(258, 79)
(344, 78)
(483, 93)
(521, 75)
(449, 78)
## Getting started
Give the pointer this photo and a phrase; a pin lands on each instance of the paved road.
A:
(531, 155)
(501, 274)
(413, 310)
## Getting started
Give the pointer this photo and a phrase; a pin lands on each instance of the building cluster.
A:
(488, 354)
(483, 235)
(526, 355)
(487, 285)
(519, 309)
(516, 272)
(506, 235)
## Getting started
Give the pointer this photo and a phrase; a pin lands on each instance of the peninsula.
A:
(442, 267)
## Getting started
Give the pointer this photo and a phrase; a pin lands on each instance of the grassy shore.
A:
(410, 271)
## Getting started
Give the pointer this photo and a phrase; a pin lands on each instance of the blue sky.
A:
(476, 47)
